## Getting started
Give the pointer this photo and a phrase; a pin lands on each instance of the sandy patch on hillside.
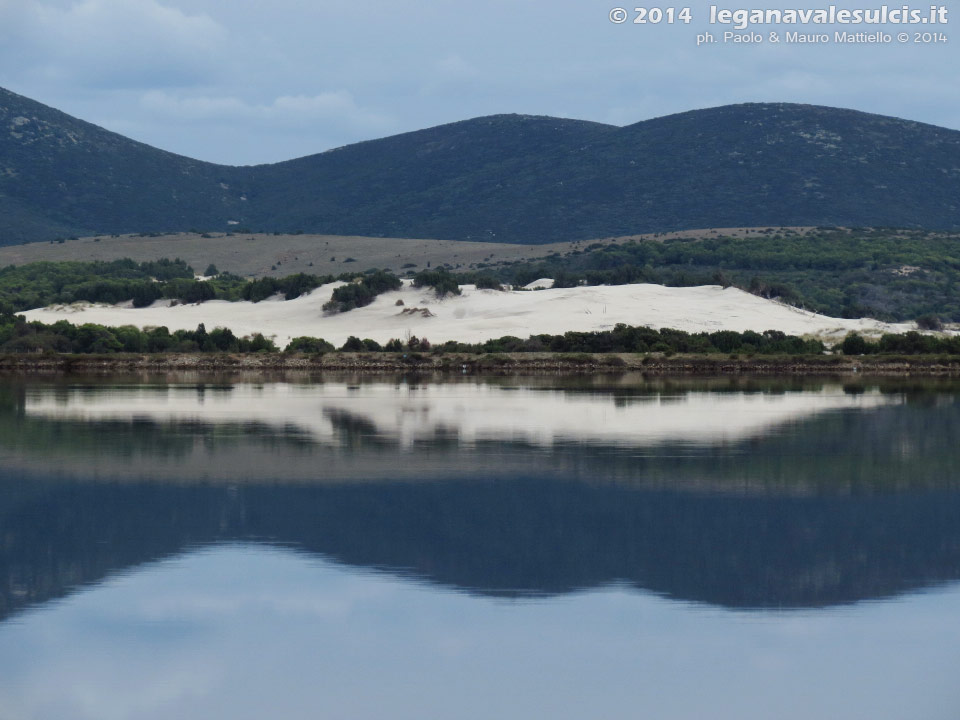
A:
(479, 315)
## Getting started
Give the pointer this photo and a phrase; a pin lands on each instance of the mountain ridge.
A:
(507, 177)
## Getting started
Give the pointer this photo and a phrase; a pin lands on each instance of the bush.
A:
(260, 289)
(929, 322)
(293, 286)
(854, 344)
(442, 282)
(257, 344)
(485, 282)
(221, 340)
(362, 291)
(309, 345)
(353, 344)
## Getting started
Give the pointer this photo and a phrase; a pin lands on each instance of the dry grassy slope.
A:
(261, 254)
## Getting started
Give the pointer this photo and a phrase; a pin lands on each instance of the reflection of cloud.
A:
(270, 634)
(338, 106)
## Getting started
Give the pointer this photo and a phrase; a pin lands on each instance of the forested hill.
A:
(62, 176)
(510, 178)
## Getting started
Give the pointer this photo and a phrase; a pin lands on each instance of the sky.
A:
(246, 82)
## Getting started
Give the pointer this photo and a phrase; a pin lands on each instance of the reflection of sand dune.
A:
(404, 415)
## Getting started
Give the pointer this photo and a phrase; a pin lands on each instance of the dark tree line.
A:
(622, 339)
(41, 284)
(19, 336)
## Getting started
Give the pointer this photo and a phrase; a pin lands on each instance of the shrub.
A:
(442, 282)
(309, 345)
(362, 291)
(353, 344)
(257, 343)
(485, 282)
(929, 322)
(854, 344)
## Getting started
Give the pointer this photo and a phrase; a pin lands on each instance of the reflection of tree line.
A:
(126, 438)
(911, 444)
(807, 516)
(508, 537)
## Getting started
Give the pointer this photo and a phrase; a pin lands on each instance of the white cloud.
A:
(207, 77)
(110, 43)
(450, 74)
(337, 107)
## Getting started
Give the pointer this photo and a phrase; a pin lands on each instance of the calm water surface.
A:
(515, 548)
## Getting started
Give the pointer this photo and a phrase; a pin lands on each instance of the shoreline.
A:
(374, 363)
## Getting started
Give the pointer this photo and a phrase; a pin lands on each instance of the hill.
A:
(508, 178)
(63, 176)
(758, 531)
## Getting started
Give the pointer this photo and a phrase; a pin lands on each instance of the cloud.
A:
(451, 73)
(338, 107)
(206, 78)
(110, 43)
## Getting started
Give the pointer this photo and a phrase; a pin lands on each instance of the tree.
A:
(353, 344)
(854, 344)
(309, 345)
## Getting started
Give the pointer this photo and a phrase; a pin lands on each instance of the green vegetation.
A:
(309, 345)
(442, 281)
(19, 336)
(909, 343)
(362, 291)
(622, 339)
(35, 285)
(38, 284)
(892, 275)
(487, 282)
(291, 287)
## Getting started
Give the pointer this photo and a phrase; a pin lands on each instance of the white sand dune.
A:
(405, 414)
(479, 315)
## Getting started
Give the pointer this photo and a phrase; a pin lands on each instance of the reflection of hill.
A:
(499, 537)
(853, 503)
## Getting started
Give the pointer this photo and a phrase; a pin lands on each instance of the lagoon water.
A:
(237, 548)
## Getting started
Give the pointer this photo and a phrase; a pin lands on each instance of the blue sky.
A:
(245, 82)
